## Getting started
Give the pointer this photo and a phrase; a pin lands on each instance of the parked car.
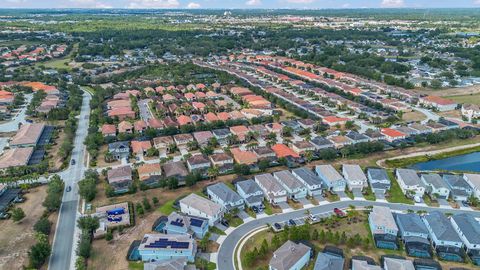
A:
(225, 223)
(292, 222)
(255, 209)
(73, 162)
(277, 226)
(4, 215)
(69, 188)
(313, 218)
(339, 212)
(465, 203)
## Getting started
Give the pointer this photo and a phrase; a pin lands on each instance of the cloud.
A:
(476, 2)
(16, 1)
(253, 2)
(193, 5)
(88, 4)
(392, 3)
(153, 4)
(346, 5)
(300, 1)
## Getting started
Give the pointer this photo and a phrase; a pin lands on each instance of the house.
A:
(223, 161)
(333, 121)
(435, 185)
(438, 103)
(198, 206)
(379, 180)
(420, 128)
(273, 191)
(140, 126)
(340, 141)
(163, 247)
(460, 190)
(331, 178)
(251, 192)
(121, 113)
(283, 151)
(223, 195)
(397, 264)
(178, 223)
(173, 264)
(16, 157)
(184, 120)
(149, 173)
(393, 134)
(203, 137)
(354, 176)
(474, 181)
(265, 152)
(28, 135)
(119, 150)
(163, 143)
(182, 139)
(295, 188)
(470, 111)
(356, 137)
(175, 170)
(414, 234)
(383, 227)
(312, 182)
(221, 135)
(240, 132)
(125, 127)
(140, 148)
(445, 239)
(120, 178)
(301, 147)
(108, 130)
(364, 265)
(198, 163)
(468, 228)
(321, 143)
(410, 183)
(244, 157)
(290, 256)
(329, 261)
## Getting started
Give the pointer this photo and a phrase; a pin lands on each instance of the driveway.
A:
(443, 202)
(342, 196)
(144, 110)
(284, 206)
(243, 215)
(304, 201)
(357, 193)
(221, 227)
(380, 196)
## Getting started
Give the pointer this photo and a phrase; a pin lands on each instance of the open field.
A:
(472, 98)
(413, 116)
(60, 63)
(448, 92)
(17, 238)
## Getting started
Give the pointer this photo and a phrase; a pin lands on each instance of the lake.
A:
(468, 162)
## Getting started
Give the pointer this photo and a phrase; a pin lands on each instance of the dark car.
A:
(292, 222)
(465, 203)
(73, 162)
(277, 226)
(225, 223)
(69, 188)
(255, 209)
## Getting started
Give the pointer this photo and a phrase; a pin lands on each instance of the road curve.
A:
(227, 248)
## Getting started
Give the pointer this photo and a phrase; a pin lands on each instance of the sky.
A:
(224, 4)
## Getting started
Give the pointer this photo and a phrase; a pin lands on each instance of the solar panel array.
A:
(178, 222)
(164, 243)
(196, 222)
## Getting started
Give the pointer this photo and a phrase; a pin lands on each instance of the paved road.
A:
(227, 248)
(12, 125)
(64, 240)
(145, 113)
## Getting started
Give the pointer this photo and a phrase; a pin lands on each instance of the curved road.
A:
(64, 240)
(227, 248)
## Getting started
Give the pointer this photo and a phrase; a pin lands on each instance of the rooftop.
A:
(202, 204)
(286, 256)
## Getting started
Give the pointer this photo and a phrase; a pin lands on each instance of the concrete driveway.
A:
(443, 202)
(342, 196)
(380, 196)
(357, 193)
(221, 227)
(243, 215)
(284, 206)
(304, 201)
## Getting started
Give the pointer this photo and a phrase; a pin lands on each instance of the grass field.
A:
(396, 193)
(167, 208)
(60, 63)
(472, 98)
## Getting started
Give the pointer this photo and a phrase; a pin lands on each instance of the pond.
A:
(467, 162)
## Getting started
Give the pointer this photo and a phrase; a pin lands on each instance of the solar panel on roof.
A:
(196, 222)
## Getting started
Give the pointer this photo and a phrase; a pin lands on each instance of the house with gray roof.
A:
(295, 188)
(221, 135)
(354, 176)
(397, 264)
(364, 265)
(474, 181)
(331, 178)
(273, 191)
(414, 234)
(445, 239)
(357, 137)
(310, 180)
(175, 170)
(435, 186)
(119, 150)
(290, 256)
(383, 227)
(468, 229)
(223, 195)
(328, 261)
(251, 192)
(410, 182)
(460, 190)
(379, 180)
(321, 143)
(198, 206)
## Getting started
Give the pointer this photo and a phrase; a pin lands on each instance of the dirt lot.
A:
(452, 91)
(17, 238)
(413, 116)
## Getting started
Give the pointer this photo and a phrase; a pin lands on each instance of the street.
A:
(228, 246)
(64, 240)
(12, 125)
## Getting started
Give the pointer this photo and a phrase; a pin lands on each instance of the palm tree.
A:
(213, 172)
(232, 139)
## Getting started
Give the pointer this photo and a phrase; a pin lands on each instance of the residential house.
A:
(164, 247)
(140, 148)
(198, 163)
(435, 186)
(420, 128)
(410, 183)
(295, 188)
(16, 157)
(468, 228)
(164, 143)
(329, 261)
(340, 141)
(383, 227)
(333, 121)
(414, 234)
(203, 137)
(223, 195)
(471, 111)
(119, 150)
(460, 190)
(364, 265)
(244, 157)
(240, 132)
(221, 135)
(321, 143)
(273, 191)
(283, 151)
(445, 239)
(312, 182)
(438, 103)
(265, 152)
(140, 126)
(198, 206)
(149, 173)
(397, 264)
(251, 192)
(301, 147)
(108, 130)
(392, 134)
(28, 135)
(379, 180)
(331, 178)
(178, 223)
(356, 137)
(120, 178)
(175, 170)
(182, 139)
(223, 161)
(125, 127)
(474, 181)
(290, 256)
(354, 176)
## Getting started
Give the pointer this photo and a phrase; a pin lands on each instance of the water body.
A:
(468, 162)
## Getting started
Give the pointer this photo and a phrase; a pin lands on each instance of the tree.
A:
(84, 248)
(315, 234)
(88, 223)
(87, 188)
(264, 247)
(213, 172)
(17, 214)
(146, 204)
(40, 251)
(155, 201)
(139, 209)
(109, 235)
(43, 225)
(53, 200)
(263, 165)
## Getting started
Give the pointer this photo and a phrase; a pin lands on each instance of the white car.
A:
(313, 218)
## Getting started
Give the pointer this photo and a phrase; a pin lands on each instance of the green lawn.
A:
(349, 193)
(268, 209)
(472, 99)
(216, 230)
(135, 265)
(369, 195)
(250, 212)
(167, 208)
(395, 192)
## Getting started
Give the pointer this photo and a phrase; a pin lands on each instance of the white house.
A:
(471, 111)
(223, 195)
(274, 192)
(198, 206)
(330, 177)
(354, 176)
(251, 192)
(409, 182)
(295, 188)
(310, 180)
(468, 229)
(474, 181)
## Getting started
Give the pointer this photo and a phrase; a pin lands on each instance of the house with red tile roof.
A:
(125, 127)
(392, 134)
(184, 120)
(155, 123)
(439, 103)
(168, 98)
(240, 131)
(109, 130)
(159, 89)
(140, 126)
(200, 95)
(199, 106)
(283, 151)
(244, 157)
(211, 95)
(189, 96)
(334, 120)
(200, 86)
(140, 147)
(210, 117)
(149, 174)
(274, 127)
(169, 122)
(118, 103)
(122, 113)
(223, 116)
(240, 91)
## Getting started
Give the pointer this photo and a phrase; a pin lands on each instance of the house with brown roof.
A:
(265, 152)
(203, 137)
(121, 113)
(149, 173)
(198, 106)
(223, 116)
(15, 157)
(184, 120)
(140, 148)
(169, 122)
(198, 163)
(115, 104)
(223, 161)
(189, 96)
(125, 127)
(240, 131)
(109, 130)
(182, 139)
(244, 157)
(340, 141)
(274, 127)
(140, 126)
(163, 143)
(28, 135)
(301, 147)
(175, 170)
(155, 123)
(210, 117)
(120, 179)
(200, 95)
